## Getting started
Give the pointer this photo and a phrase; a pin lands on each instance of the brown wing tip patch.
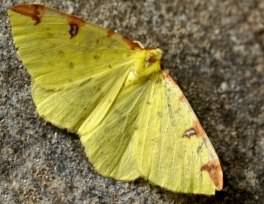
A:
(214, 170)
(35, 11)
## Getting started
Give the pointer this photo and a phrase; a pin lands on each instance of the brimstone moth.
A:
(131, 116)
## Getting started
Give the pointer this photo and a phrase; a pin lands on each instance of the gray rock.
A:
(213, 48)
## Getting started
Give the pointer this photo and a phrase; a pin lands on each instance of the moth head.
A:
(147, 61)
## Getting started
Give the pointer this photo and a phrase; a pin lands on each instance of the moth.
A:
(131, 116)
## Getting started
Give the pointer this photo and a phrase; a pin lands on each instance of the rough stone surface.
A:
(214, 49)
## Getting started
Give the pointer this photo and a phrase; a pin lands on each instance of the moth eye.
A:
(149, 60)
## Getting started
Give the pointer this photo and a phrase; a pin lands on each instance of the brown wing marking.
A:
(75, 23)
(35, 11)
(132, 44)
(215, 172)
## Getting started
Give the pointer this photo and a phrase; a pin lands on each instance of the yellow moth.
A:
(132, 118)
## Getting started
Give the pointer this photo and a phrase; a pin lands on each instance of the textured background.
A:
(215, 51)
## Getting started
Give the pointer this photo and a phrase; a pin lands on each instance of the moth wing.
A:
(89, 101)
(152, 132)
(110, 147)
(173, 150)
(77, 68)
(61, 50)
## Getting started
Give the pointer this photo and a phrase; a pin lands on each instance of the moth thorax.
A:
(147, 62)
